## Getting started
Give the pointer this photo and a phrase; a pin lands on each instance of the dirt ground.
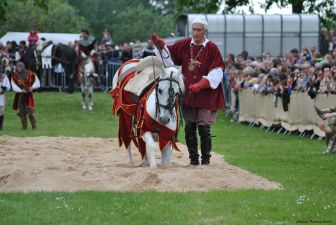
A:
(78, 164)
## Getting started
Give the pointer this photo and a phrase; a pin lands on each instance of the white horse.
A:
(159, 105)
(87, 75)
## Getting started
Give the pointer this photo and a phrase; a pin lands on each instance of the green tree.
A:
(60, 17)
(43, 4)
(126, 20)
(164, 7)
(138, 23)
(198, 6)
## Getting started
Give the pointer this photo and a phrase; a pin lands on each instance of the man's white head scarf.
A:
(201, 21)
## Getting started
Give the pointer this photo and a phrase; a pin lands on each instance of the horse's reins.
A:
(170, 91)
(162, 56)
(171, 99)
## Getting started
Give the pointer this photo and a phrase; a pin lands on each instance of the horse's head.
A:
(169, 89)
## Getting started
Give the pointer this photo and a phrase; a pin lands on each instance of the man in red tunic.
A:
(23, 83)
(202, 67)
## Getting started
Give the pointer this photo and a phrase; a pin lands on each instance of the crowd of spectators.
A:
(307, 70)
(311, 69)
(106, 50)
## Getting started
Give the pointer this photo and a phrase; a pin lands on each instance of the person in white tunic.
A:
(4, 86)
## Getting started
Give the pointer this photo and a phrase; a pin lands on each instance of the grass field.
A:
(307, 175)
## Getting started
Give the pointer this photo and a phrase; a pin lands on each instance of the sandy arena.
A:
(81, 164)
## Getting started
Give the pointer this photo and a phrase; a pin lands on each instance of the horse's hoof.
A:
(154, 166)
(179, 155)
(84, 107)
(144, 164)
(164, 166)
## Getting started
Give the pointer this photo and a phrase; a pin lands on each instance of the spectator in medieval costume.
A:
(202, 67)
(149, 50)
(4, 86)
(24, 82)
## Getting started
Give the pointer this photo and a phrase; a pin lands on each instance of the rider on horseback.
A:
(86, 48)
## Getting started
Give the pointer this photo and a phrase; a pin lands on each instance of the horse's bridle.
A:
(172, 97)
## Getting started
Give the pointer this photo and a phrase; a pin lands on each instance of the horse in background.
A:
(87, 75)
(57, 53)
(147, 98)
(31, 59)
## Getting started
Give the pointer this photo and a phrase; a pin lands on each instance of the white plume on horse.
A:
(162, 88)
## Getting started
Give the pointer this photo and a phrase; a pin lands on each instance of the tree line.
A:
(130, 20)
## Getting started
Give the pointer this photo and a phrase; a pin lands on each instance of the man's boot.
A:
(32, 121)
(191, 140)
(206, 145)
(1, 121)
(24, 122)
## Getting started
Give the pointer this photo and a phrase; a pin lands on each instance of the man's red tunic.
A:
(210, 58)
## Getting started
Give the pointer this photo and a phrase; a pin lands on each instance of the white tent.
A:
(55, 37)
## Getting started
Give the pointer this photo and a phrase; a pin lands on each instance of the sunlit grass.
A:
(307, 175)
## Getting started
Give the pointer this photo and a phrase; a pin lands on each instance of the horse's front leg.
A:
(166, 153)
(90, 95)
(129, 153)
(150, 145)
(145, 161)
(83, 97)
